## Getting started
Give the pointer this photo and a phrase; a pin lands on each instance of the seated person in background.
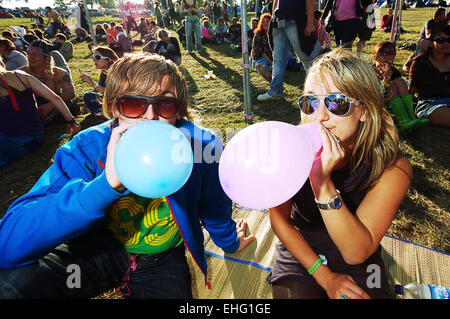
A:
(321, 33)
(207, 36)
(234, 32)
(56, 24)
(251, 33)
(112, 35)
(430, 78)
(221, 31)
(20, 125)
(39, 33)
(182, 33)
(422, 46)
(66, 46)
(433, 25)
(262, 55)
(386, 21)
(396, 91)
(123, 41)
(103, 58)
(41, 66)
(81, 35)
(143, 28)
(53, 48)
(100, 33)
(168, 47)
(150, 46)
(7, 34)
(430, 27)
(87, 210)
(12, 58)
(153, 28)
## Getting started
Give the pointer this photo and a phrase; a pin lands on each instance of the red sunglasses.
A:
(134, 106)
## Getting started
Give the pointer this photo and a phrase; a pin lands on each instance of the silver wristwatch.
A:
(334, 203)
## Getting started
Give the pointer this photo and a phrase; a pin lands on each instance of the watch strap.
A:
(334, 203)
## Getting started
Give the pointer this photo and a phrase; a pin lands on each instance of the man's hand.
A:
(241, 225)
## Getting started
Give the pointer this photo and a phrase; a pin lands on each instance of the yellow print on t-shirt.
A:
(148, 221)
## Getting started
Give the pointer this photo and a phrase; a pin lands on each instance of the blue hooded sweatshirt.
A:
(73, 195)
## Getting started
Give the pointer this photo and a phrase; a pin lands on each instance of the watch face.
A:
(337, 203)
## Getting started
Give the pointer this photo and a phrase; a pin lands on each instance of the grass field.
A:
(423, 216)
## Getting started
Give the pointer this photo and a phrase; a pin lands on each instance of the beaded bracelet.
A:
(317, 263)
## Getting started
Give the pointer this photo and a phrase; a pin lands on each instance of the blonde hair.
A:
(49, 65)
(136, 73)
(377, 139)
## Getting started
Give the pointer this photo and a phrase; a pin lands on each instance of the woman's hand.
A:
(331, 156)
(241, 225)
(342, 285)
(74, 127)
(86, 78)
(385, 70)
(310, 28)
(110, 171)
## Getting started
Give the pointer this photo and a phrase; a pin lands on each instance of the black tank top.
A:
(307, 219)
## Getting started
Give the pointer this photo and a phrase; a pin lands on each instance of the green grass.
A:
(424, 214)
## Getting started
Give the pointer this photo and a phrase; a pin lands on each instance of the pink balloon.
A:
(267, 163)
(314, 136)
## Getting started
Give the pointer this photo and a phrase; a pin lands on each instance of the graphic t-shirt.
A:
(144, 225)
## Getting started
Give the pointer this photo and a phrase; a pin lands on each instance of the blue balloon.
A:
(153, 159)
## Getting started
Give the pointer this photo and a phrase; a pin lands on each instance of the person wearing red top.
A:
(386, 21)
(112, 34)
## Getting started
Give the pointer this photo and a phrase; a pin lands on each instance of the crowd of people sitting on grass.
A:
(24, 49)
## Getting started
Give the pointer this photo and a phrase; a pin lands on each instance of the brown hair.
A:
(9, 46)
(105, 51)
(136, 73)
(381, 47)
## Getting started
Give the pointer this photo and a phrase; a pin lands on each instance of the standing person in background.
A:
(321, 33)
(216, 12)
(293, 26)
(225, 11)
(190, 12)
(81, 17)
(347, 19)
(330, 231)
(367, 27)
(159, 15)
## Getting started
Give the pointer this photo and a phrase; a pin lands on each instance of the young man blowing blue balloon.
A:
(80, 216)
